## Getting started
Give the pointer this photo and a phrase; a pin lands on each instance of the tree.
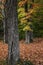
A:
(13, 37)
(27, 33)
(25, 17)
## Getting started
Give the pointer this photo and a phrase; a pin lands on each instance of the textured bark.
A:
(13, 37)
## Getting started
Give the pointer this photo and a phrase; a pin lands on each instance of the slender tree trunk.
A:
(5, 30)
(31, 32)
(5, 37)
(28, 34)
(13, 37)
(3, 24)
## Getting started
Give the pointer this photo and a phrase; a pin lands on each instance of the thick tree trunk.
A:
(13, 37)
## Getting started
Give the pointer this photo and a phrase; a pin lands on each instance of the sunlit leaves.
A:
(27, 28)
(23, 21)
(21, 9)
(21, 3)
(21, 15)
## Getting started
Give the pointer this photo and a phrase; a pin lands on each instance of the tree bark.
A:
(13, 36)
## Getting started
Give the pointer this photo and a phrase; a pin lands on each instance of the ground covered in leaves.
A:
(32, 51)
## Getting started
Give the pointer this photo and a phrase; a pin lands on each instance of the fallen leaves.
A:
(32, 51)
(3, 51)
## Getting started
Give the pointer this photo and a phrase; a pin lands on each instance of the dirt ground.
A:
(32, 51)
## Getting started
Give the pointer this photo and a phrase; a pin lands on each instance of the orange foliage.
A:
(21, 3)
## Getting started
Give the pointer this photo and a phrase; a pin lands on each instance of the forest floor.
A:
(32, 51)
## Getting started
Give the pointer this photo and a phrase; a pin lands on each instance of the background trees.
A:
(37, 25)
(33, 15)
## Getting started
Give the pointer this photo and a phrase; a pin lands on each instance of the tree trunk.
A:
(31, 32)
(28, 34)
(13, 37)
(5, 30)
(3, 24)
(27, 37)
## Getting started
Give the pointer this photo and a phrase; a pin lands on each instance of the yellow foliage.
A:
(21, 15)
(27, 28)
(29, 23)
(27, 17)
(30, 11)
(21, 9)
(23, 21)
